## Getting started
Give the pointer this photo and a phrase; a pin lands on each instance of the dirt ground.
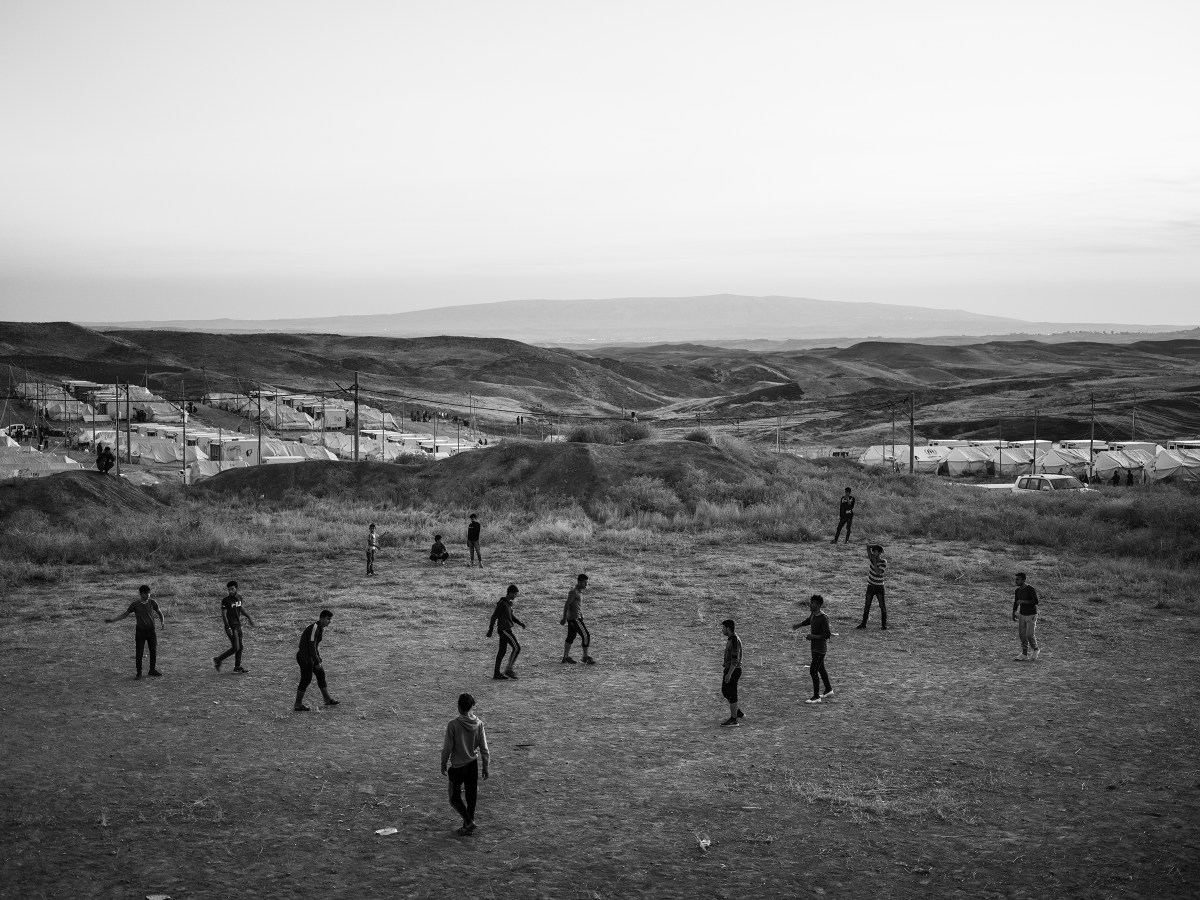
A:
(940, 767)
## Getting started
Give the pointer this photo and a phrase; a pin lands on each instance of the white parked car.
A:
(1048, 483)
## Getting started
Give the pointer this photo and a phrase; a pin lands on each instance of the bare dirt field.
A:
(940, 767)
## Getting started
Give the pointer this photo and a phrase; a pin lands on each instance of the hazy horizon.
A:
(265, 160)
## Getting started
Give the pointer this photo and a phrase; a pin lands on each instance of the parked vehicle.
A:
(17, 432)
(1048, 483)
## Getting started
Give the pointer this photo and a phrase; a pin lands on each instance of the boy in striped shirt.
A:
(875, 576)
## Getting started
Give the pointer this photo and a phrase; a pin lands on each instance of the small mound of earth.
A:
(71, 495)
(567, 470)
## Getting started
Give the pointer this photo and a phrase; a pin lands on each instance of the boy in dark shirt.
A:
(464, 747)
(437, 553)
(819, 634)
(845, 516)
(731, 672)
(572, 617)
(473, 541)
(232, 613)
(1024, 613)
(372, 548)
(308, 658)
(144, 610)
(502, 621)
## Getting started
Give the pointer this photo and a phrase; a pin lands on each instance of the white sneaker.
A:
(1024, 657)
(1037, 654)
(813, 700)
(828, 693)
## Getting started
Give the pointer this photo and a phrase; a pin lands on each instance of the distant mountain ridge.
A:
(646, 320)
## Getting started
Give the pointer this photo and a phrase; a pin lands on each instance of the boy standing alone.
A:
(819, 635)
(502, 621)
(465, 745)
(731, 672)
(473, 541)
(1024, 613)
(232, 613)
(845, 516)
(144, 610)
(372, 547)
(572, 617)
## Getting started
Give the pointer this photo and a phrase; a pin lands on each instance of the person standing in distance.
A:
(144, 609)
(731, 672)
(462, 750)
(1024, 613)
(473, 541)
(372, 548)
(502, 621)
(819, 635)
(875, 576)
(308, 658)
(572, 617)
(845, 516)
(232, 612)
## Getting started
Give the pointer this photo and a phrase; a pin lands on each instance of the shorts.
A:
(729, 689)
(576, 629)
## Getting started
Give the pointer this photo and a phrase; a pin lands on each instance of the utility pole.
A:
(183, 409)
(778, 422)
(1000, 446)
(1035, 444)
(912, 437)
(893, 437)
(1133, 425)
(117, 406)
(128, 426)
(1092, 440)
(259, 417)
(357, 424)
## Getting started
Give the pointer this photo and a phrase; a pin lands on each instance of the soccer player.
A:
(572, 617)
(502, 621)
(473, 540)
(465, 745)
(1025, 605)
(232, 613)
(308, 657)
(875, 576)
(731, 672)
(845, 516)
(819, 634)
(144, 609)
(372, 548)
(438, 553)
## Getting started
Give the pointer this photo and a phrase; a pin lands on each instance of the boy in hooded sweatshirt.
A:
(465, 745)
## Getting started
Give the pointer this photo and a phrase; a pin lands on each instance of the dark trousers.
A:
(142, 638)
(235, 647)
(848, 521)
(576, 627)
(465, 779)
(307, 669)
(507, 639)
(816, 671)
(729, 688)
(873, 591)
(370, 562)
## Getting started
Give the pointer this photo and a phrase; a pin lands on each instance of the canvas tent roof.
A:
(1122, 463)
(1178, 465)
(1061, 461)
(1011, 461)
(967, 461)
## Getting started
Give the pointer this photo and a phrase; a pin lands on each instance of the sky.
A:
(252, 159)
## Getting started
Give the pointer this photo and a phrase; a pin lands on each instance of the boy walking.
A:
(502, 621)
(875, 576)
(819, 635)
(308, 658)
(465, 745)
(845, 516)
(572, 617)
(731, 672)
(473, 541)
(144, 609)
(372, 547)
(232, 612)
(1024, 613)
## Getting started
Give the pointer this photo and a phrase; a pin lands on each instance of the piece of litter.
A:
(158, 897)
(704, 841)
(386, 831)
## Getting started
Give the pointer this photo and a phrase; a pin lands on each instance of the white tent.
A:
(1061, 461)
(1178, 465)
(967, 461)
(25, 462)
(926, 460)
(1123, 465)
(881, 455)
(1012, 461)
(6, 441)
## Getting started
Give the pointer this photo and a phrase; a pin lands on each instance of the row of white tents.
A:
(1133, 461)
(300, 412)
(103, 403)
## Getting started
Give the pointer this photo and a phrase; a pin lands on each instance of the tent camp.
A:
(967, 461)
(1124, 465)
(882, 455)
(1061, 461)
(1176, 465)
(25, 462)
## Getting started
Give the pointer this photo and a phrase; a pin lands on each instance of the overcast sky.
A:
(268, 159)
